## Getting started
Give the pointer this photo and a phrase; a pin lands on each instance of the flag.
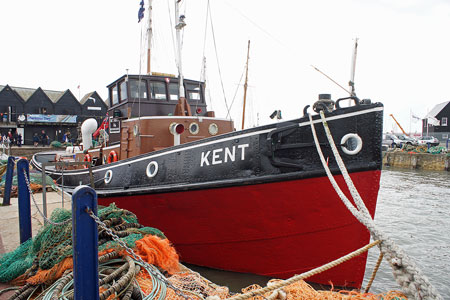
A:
(104, 125)
(433, 121)
(415, 117)
(141, 11)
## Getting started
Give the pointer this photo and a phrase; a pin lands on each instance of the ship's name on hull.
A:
(223, 155)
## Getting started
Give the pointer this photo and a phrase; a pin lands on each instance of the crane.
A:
(401, 128)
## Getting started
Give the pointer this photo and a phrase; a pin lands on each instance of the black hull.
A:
(271, 153)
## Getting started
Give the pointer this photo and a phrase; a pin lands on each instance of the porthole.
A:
(152, 169)
(136, 130)
(351, 143)
(108, 176)
(213, 129)
(194, 128)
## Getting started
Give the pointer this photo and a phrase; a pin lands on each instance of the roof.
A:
(25, 93)
(437, 109)
(91, 95)
(86, 97)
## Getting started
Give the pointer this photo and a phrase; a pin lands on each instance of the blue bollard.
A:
(8, 181)
(24, 201)
(85, 244)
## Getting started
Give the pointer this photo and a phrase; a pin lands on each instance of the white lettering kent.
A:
(222, 155)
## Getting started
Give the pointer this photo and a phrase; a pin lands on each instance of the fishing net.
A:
(54, 243)
(43, 266)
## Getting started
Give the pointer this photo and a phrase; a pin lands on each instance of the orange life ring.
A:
(112, 157)
(87, 158)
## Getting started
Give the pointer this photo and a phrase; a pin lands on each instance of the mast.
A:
(245, 84)
(179, 21)
(149, 36)
(351, 83)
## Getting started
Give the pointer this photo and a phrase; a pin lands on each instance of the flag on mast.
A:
(433, 121)
(415, 118)
(141, 11)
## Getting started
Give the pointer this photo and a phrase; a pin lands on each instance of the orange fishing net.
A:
(158, 252)
(300, 290)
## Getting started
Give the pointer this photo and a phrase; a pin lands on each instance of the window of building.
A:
(115, 96)
(138, 89)
(123, 91)
(193, 92)
(158, 90)
(445, 136)
(444, 121)
(173, 91)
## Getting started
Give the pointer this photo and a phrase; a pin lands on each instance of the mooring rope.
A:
(411, 279)
(374, 272)
(302, 276)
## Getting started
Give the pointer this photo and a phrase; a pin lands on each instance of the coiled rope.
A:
(410, 278)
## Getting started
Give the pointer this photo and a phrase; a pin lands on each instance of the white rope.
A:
(413, 283)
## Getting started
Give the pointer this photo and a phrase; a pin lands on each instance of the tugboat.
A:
(256, 200)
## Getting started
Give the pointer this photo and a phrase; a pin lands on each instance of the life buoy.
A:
(112, 157)
(357, 139)
(87, 158)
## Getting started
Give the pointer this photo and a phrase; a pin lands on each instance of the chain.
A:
(136, 257)
(37, 206)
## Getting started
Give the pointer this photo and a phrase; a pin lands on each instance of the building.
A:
(436, 122)
(31, 111)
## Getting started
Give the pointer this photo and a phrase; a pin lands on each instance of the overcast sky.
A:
(403, 54)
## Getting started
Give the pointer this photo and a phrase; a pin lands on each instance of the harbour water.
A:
(414, 210)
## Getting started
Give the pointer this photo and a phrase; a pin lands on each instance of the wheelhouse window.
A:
(158, 90)
(123, 91)
(193, 92)
(115, 96)
(173, 91)
(138, 89)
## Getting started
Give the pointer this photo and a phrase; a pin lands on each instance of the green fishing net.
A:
(53, 243)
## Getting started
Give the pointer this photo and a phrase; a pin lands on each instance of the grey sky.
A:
(403, 53)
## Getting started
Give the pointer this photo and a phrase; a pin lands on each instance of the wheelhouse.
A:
(153, 95)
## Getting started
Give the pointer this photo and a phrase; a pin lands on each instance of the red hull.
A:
(274, 229)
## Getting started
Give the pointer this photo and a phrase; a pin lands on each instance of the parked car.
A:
(428, 140)
(391, 141)
(408, 140)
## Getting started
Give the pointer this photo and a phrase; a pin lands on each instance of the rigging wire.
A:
(235, 93)
(217, 59)
(172, 35)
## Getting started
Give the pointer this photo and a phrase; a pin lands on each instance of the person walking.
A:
(35, 139)
(43, 138)
(19, 140)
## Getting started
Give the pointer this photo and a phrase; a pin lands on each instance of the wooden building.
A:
(31, 111)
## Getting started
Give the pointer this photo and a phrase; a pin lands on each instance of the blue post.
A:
(85, 244)
(24, 201)
(8, 181)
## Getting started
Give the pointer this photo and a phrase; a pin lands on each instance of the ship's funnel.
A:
(87, 129)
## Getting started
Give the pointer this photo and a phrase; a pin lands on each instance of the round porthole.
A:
(351, 143)
(193, 128)
(108, 176)
(213, 129)
(136, 130)
(152, 169)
